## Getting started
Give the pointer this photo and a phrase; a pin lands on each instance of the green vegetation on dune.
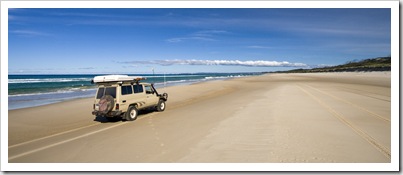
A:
(372, 64)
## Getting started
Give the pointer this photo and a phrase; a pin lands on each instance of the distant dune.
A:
(367, 65)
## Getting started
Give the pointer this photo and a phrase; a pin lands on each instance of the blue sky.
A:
(103, 41)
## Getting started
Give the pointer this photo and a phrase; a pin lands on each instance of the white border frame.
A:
(393, 166)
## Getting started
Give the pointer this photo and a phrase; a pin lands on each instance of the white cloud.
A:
(259, 47)
(87, 68)
(209, 32)
(204, 35)
(29, 33)
(176, 40)
(258, 63)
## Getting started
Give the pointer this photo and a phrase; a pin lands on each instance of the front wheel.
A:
(161, 105)
(131, 113)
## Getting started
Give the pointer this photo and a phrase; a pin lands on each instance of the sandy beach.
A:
(272, 118)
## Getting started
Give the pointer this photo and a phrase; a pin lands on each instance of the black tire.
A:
(106, 104)
(161, 106)
(131, 113)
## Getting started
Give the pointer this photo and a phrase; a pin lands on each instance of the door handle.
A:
(124, 101)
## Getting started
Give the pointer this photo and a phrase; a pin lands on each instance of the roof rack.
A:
(116, 78)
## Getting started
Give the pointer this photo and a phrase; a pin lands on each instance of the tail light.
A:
(117, 106)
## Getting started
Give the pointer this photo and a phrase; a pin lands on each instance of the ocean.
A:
(35, 90)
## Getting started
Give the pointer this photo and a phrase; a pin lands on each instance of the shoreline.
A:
(22, 101)
(267, 118)
(55, 101)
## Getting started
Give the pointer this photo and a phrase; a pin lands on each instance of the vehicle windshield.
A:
(106, 91)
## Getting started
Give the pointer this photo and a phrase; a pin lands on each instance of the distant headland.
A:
(366, 65)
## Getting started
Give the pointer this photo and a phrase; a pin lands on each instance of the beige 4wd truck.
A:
(123, 96)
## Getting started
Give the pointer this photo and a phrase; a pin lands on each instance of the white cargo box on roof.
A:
(116, 78)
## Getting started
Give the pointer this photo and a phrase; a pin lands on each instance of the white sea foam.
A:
(60, 91)
(47, 80)
(224, 77)
(172, 76)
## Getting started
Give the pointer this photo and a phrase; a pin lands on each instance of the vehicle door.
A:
(139, 96)
(152, 98)
(126, 96)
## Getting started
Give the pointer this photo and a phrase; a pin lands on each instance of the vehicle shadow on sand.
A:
(102, 119)
(107, 120)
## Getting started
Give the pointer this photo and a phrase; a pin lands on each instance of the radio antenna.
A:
(153, 76)
(165, 83)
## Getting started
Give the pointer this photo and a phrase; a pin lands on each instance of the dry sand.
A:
(326, 117)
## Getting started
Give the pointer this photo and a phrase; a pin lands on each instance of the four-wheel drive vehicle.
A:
(123, 96)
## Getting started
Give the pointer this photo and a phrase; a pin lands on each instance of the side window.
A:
(111, 91)
(127, 90)
(148, 89)
(138, 88)
(100, 93)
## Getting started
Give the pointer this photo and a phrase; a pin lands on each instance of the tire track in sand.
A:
(352, 104)
(44, 147)
(53, 135)
(385, 151)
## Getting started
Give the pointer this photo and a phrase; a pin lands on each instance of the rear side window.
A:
(100, 93)
(138, 88)
(106, 91)
(127, 90)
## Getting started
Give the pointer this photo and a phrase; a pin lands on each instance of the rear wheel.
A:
(131, 113)
(161, 105)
